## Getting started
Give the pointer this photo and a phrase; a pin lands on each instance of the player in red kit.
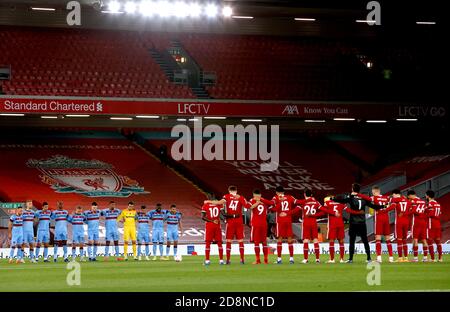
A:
(382, 226)
(213, 232)
(310, 212)
(259, 207)
(284, 206)
(233, 211)
(402, 208)
(335, 225)
(434, 225)
(419, 225)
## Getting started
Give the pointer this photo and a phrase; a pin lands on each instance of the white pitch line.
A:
(412, 290)
(14, 269)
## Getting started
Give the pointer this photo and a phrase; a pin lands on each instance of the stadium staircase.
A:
(187, 73)
(194, 70)
(166, 62)
(200, 92)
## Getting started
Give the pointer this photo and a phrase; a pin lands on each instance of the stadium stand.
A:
(357, 147)
(445, 218)
(241, 64)
(445, 202)
(82, 63)
(416, 169)
(132, 166)
(103, 63)
(300, 169)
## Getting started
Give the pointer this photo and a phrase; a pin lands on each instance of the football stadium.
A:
(223, 146)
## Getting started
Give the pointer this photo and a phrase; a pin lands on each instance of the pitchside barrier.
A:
(199, 249)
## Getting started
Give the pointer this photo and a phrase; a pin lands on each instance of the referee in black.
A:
(357, 221)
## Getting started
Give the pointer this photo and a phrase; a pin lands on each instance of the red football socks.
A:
(331, 248)
(291, 249)
(219, 246)
(207, 250)
(257, 251)
(431, 249)
(341, 251)
(279, 249)
(389, 248)
(241, 250)
(378, 247)
(305, 250)
(228, 251)
(400, 247)
(416, 251)
(439, 250)
(317, 250)
(266, 252)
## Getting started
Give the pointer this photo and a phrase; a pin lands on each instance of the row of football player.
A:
(136, 228)
(424, 223)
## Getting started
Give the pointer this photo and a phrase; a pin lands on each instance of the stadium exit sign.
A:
(10, 205)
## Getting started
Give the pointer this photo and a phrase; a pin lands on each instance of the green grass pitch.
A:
(191, 275)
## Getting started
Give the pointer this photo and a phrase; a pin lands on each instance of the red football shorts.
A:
(401, 229)
(234, 229)
(213, 232)
(419, 231)
(258, 234)
(309, 231)
(336, 232)
(382, 226)
(284, 229)
(434, 233)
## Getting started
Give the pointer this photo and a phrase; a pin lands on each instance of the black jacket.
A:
(357, 203)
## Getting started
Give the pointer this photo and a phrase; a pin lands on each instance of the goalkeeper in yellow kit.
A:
(128, 217)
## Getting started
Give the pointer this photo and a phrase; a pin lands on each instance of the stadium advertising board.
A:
(99, 106)
(199, 249)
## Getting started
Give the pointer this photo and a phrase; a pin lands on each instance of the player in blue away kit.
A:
(77, 219)
(173, 219)
(43, 231)
(143, 233)
(157, 216)
(15, 235)
(28, 228)
(60, 216)
(112, 232)
(93, 220)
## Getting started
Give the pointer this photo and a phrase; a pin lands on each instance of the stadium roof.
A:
(270, 17)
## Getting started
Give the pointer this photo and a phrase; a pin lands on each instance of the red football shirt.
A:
(284, 204)
(380, 200)
(434, 213)
(212, 211)
(259, 213)
(234, 205)
(335, 207)
(310, 209)
(419, 211)
(402, 208)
